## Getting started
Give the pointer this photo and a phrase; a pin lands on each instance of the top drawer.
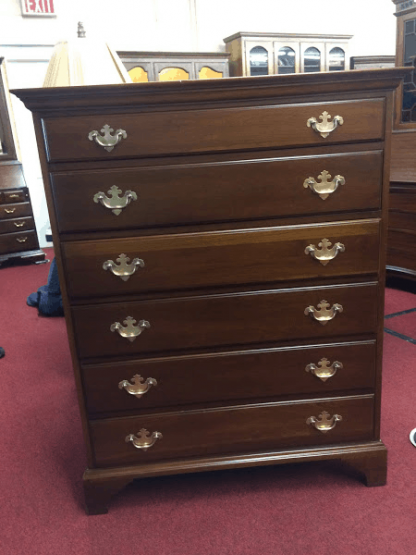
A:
(210, 130)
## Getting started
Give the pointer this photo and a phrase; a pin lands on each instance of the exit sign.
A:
(38, 7)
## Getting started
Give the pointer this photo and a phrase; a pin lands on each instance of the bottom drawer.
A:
(241, 429)
(16, 242)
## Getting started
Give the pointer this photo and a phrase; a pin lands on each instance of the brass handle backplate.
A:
(324, 423)
(325, 187)
(324, 254)
(21, 239)
(143, 440)
(325, 127)
(324, 370)
(139, 386)
(107, 140)
(14, 195)
(10, 210)
(129, 330)
(323, 315)
(22, 224)
(115, 202)
(124, 269)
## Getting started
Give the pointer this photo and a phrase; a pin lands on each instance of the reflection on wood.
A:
(173, 74)
(138, 75)
(208, 73)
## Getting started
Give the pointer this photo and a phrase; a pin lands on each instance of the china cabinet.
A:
(255, 54)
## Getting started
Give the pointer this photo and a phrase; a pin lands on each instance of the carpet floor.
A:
(305, 509)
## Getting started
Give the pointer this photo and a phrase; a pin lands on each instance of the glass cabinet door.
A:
(409, 86)
(312, 60)
(259, 61)
(336, 59)
(286, 60)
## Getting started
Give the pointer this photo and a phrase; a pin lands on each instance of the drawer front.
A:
(99, 268)
(210, 130)
(229, 376)
(231, 430)
(11, 211)
(19, 195)
(16, 242)
(228, 319)
(229, 191)
(19, 224)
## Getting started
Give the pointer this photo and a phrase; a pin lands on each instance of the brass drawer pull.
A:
(10, 210)
(130, 331)
(325, 127)
(19, 225)
(323, 315)
(21, 239)
(324, 371)
(139, 387)
(14, 195)
(325, 423)
(143, 440)
(106, 140)
(123, 270)
(326, 186)
(325, 254)
(114, 201)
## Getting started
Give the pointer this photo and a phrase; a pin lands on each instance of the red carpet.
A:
(309, 509)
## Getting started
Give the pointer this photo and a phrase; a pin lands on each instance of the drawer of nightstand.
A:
(18, 210)
(217, 191)
(229, 376)
(232, 429)
(19, 224)
(225, 319)
(210, 130)
(15, 242)
(18, 195)
(192, 260)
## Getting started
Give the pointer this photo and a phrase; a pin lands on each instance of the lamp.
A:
(84, 61)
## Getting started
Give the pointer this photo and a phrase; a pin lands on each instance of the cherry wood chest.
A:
(221, 250)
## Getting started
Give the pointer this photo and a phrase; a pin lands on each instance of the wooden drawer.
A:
(233, 429)
(15, 242)
(211, 130)
(195, 260)
(20, 224)
(18, 195)
(229, 376)
(227, 319)
(9, 211)
(220, 191)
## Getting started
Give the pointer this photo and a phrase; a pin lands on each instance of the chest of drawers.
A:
(221, 249)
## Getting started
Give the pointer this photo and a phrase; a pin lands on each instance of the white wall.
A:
(169, 25)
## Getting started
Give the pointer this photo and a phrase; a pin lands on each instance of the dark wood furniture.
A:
(18, 237)
(233, 334)
(372, 62)
(254, 54)
(401, 252)
(174, 66)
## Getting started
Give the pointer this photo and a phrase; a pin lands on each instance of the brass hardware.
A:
(115, 202)
(325, 187)
(139, 387)
(107, 140)
(325, 371)
(325, 127)
(10, 210)
(325, 254)
(19, 225)
(124, 270)
(323, 316)
(129, 330)
(325, 423)
(14, 196)
(21, 239)
(143, 440)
